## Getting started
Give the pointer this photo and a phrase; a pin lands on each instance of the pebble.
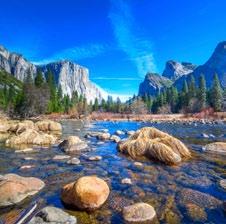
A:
(61, 157)
(126, 181)
(95, 158)
(74, 161)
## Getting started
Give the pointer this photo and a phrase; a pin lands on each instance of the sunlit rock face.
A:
(16, 64)
(70, 76)
(174, 70)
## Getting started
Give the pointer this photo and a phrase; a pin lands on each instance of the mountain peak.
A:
(174, 70)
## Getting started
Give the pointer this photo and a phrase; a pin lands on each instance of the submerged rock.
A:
(196, 213)
(87, 193)
(73, 143)
(155, 144)
(201, 199)
(216, 147)
(14, 188)
(53, 215)
(139, 213)
(31, 137)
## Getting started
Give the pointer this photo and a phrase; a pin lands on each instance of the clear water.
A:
(154, 183)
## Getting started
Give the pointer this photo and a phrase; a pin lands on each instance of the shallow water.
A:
(155, 183)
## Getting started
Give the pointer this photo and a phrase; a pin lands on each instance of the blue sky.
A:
(118, 40)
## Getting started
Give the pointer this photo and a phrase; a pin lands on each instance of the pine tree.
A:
(192, 88)
(28, 78)
(216, 94)
(39, 80)
(96, 105)
(202, 92)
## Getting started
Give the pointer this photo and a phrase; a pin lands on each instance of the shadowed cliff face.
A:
(153, 84)
(70, 76)
(175, 73)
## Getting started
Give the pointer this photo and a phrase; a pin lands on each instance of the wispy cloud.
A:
(117, 78)
(138, 49)
(76, 53)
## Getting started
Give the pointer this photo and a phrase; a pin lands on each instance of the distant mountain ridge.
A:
(178, 72)
(70, 76)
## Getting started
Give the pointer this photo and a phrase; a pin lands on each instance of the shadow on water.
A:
(162, 186)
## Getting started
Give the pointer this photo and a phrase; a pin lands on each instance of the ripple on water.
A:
(166, 188)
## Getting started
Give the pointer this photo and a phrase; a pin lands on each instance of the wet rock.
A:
(95, 158)
(27, 167)
(53, 215)
(216, 147)
(119, 132)
(14, 188)
(103, 136)
(201, 199)
(29, 158)
(27, 150)
(115, 138)
(139, 213)
(4, 126)
(138, 164)
(126, 181)
(130, 132)
(87, 193)
(204, 135)
(222, 183)
(61, 157)
(31, 137)
(196, 213)
(73, 143)
(155, 144)
(48, 125)
(74, 161)
(21, 126)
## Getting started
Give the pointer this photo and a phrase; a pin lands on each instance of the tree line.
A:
(190, 99)
(41, 95)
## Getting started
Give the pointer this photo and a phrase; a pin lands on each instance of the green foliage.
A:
(216, 94)
(39, 80)
(202, 92)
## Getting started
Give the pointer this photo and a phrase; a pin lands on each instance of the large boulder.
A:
(31, 137)
(72, 143)
(48, 125)
(14, 188)
(87, 193)
(19, 127)
(216, 147)
(139, 213)
(4, 126)
(53, 215)
(155, 144)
